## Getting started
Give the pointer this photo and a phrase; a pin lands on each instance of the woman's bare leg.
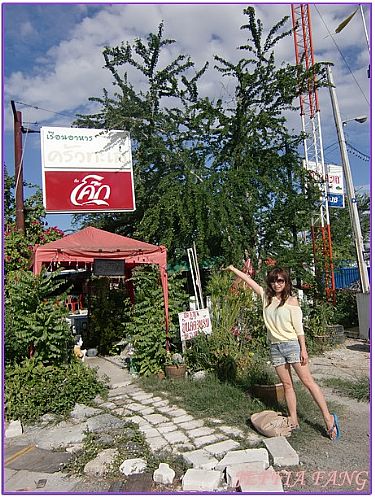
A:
(305, 376)
(286, 379)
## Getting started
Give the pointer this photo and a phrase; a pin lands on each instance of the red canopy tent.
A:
(91, 243)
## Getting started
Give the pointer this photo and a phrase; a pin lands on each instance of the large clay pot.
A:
(175, 372)
(269, 394)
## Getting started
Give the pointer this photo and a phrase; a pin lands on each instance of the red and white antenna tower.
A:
(313, 145)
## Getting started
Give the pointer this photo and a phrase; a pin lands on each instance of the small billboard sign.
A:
(335, 182)
(194, 322)
(86, 170)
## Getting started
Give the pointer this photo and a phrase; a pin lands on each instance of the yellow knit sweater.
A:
(283, 323)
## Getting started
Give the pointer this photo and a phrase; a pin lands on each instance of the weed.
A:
(357, 389)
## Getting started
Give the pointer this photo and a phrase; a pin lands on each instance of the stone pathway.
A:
(209, 446)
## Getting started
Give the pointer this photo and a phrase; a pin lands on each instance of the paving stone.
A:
(142, 396)
(221, 448)
(243, 456)
(138, 420)
(136, 407)
(157, 443)
(107, 405)
(209, 439)
(201, 480)
(183, 419)
(176, 437)
(155, 419)
(159, 399)
(165, 409)
(104, 421)
(200, 459)
(161, 403)
(138, 483)
(200, 432)
(149, 432)
(230, 430)
(191, 425)
(166, 427)
(264, 481)
(148, 410)
(146, 402)
(177, 413)
(14, 429)
(82, 411)
(253, 439)
(182, 448)
(122, 411)
(281, 451)
(235, 471)
(100, 465)
(116, 392)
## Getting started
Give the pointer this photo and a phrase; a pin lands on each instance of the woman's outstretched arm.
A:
(246, 278)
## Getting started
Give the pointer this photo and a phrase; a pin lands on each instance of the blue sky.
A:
(52, 59)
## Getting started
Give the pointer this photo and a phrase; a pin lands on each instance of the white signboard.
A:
(83, 148)
(194, 322)
(335, 182)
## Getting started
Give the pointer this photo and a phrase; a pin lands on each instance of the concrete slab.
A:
(243, 456)
(201, 432)
(201, 480)
(176, 413)
(39, 460)
(264, 481)
(183, 419)
(281, 451)
(237, 471)
(231, 431)
(177, 436)
(157, 443)
(167, 427)
(155, 419)
(221, 448)
(118, 377)
(191, 425)
(200, 459)
(207, 440)
(27, 481)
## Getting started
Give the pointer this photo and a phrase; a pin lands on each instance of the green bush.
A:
(346, 312)
(32, 389)
(35, 319)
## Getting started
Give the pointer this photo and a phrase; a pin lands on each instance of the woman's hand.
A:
(304, 356)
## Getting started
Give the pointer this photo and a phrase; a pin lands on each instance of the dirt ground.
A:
(343, 466)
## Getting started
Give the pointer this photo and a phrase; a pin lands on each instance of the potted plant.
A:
(175, 367)
(264, 383)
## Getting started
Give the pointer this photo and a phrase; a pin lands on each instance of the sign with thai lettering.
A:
(194, 322)
(335, 182)
(86, 170)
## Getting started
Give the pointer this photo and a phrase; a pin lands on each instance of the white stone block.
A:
(155, 419)
(221, 448)
(242, 456)
(200, 459)
(14, 429)
(264, 481)
(234, 472)
(209, 439)
(164, 474)
(201, 480)
(133, 466)
(281, 451)
(174, 437)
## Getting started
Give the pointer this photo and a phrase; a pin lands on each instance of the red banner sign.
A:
(88, 191)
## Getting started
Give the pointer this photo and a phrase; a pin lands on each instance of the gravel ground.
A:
(343, 466)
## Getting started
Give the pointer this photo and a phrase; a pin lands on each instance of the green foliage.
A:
(18, 247)
(32, 389)
(145, 320)
(259, 372)
(345, 311)
(106, 314)
(357, 389)
(35, 319)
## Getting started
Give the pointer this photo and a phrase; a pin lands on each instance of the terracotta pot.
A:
(269, 394)
(175, 372)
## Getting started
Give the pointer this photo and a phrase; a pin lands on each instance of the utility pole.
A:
(18, 169)
(353, 209)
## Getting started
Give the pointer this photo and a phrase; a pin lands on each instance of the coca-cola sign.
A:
(83, 191)
(87, 170)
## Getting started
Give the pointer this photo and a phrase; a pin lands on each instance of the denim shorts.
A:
(285, 352)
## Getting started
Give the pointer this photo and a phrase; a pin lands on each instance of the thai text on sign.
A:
(194, 322)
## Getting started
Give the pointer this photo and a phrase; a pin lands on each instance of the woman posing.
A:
(283, 319)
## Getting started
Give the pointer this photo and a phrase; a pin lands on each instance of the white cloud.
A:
(26, 29)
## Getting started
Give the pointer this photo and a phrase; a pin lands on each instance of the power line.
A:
(46, 110)
(342, 55)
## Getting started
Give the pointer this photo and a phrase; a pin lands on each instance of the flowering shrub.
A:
(18, 247)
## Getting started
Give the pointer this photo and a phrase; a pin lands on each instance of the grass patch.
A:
(358, 389)
(207, 398)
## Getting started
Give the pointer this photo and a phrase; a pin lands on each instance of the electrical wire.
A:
(342, 55)
(46, 110)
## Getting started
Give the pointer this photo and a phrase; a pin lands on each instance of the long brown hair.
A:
(272, 276)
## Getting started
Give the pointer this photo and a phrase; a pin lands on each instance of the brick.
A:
(235, 471)
(201, 480)
(281, 451)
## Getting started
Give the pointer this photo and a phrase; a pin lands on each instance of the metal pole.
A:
(18, 169)
(364, 26)
(353, 209)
